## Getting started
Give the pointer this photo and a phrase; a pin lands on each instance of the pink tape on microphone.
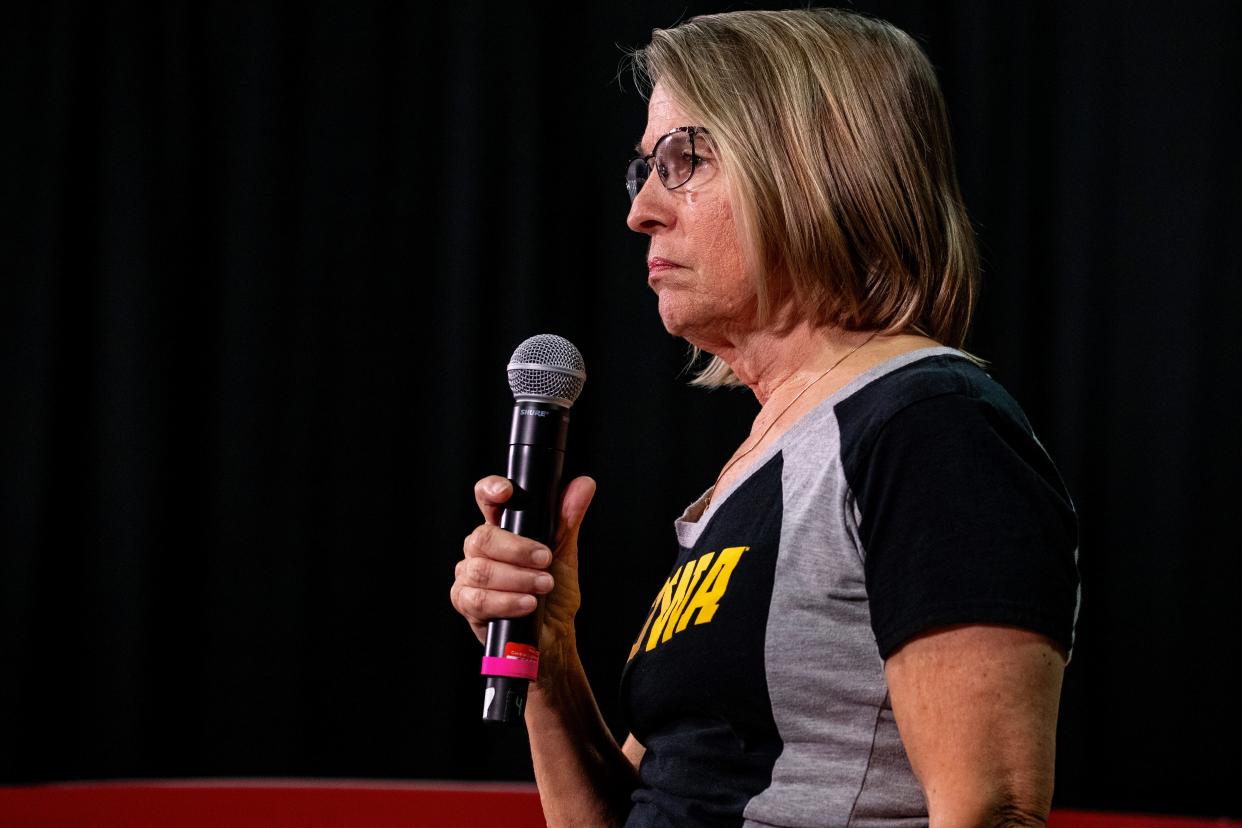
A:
(511, 667)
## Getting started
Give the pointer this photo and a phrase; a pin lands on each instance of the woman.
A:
(872, 606)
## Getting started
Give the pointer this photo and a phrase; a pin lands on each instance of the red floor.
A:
(331, 804)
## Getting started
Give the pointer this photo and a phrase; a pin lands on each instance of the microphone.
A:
(546, 374)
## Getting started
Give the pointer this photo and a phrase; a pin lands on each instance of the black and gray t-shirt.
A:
(915, 497)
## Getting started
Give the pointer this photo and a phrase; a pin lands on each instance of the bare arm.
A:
(976, 707)
(584, 778)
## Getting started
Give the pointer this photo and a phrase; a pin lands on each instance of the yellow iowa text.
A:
(692, 592)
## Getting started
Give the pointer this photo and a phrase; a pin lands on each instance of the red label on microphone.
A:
(525, 652)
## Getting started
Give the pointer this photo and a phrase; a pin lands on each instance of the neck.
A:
(776, 365)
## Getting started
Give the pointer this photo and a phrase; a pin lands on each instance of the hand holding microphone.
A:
(499, 569)
(506, 566)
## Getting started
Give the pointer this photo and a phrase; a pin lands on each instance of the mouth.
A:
(655, 265)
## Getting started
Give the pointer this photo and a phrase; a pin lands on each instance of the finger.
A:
(574, 502)
(491, 493)
(492, 542)
(485, 573)
(485, 604)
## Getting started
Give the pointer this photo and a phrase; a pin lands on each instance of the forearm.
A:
(583, 777)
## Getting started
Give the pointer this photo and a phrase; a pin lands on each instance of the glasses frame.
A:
(631, 185)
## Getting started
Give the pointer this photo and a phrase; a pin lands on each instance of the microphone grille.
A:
(547, 368)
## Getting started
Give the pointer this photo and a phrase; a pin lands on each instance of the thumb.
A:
(574, 503)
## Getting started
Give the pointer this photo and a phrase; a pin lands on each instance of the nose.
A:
(650, 210)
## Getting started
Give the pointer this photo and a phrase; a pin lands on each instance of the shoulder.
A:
(863, 414)
(937, 414)
(936, 395)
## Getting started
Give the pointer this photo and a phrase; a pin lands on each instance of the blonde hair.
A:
(835, 139)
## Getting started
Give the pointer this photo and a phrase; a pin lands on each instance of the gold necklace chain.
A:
(711, 494)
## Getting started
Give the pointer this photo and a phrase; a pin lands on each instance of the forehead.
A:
(663, 114)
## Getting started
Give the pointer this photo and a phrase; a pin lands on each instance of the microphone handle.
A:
(536, 460)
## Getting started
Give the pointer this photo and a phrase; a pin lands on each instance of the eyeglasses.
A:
(675, 161)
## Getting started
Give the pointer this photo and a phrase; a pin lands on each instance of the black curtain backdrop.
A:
(264, 264)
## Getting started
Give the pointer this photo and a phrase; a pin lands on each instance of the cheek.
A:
(722, 239)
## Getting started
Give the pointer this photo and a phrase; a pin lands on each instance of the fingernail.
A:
(527, 602)
(496, 489)
(541, 557)
(543, 581)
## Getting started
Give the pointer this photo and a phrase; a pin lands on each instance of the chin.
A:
(671, 324)
(701, 324)
(673, 316)
(690, 332)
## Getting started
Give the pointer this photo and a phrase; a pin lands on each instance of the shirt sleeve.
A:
(964, 519)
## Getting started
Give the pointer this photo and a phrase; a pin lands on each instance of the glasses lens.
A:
(674, 159)
(636, 176)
